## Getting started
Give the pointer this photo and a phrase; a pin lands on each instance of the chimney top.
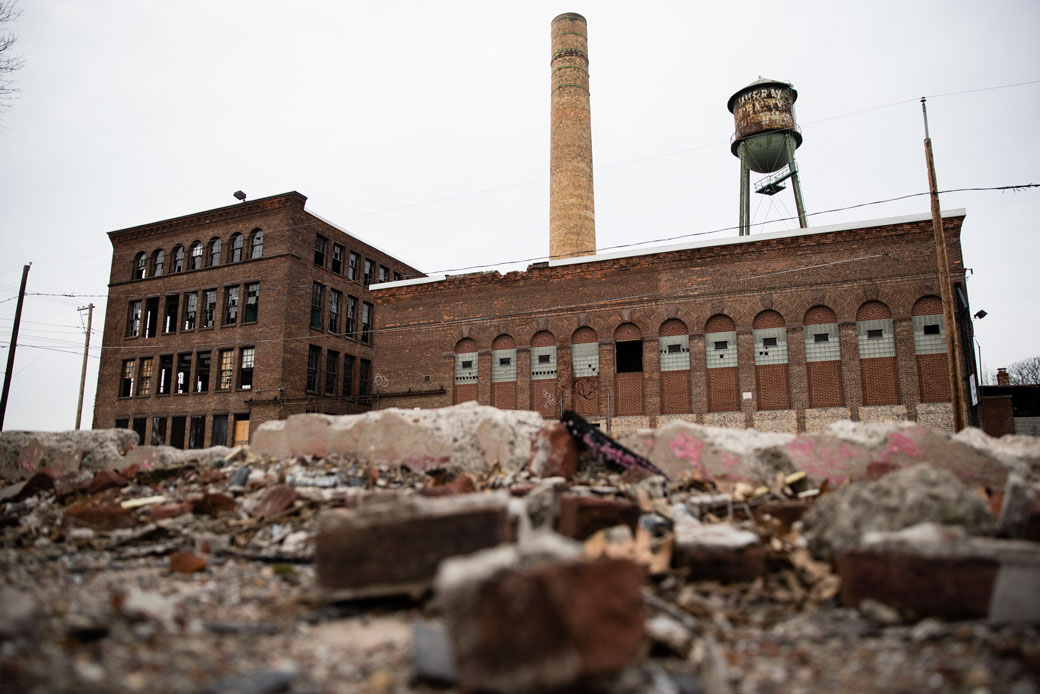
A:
(1002, 377)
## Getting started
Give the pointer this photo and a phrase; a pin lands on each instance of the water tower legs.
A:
(796, 185)
(745, 194)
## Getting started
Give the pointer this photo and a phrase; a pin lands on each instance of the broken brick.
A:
(99, 517)
(165, 511)
(581, 516)
(186, 562)
(553, 452)
(787, 512)
(396, 547)
(210, 476)
(718, 552)
(106, 479)
(463, 484)
(72, 483)
(213, 505)
(277, 499)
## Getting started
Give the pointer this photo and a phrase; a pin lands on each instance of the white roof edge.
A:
(359, 238)
(732, 240)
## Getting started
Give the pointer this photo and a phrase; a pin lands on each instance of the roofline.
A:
(362, 240)
(244, 205)
(708, 243)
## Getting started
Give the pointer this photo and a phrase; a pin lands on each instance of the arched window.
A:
(256, 244)
(877, 354)
(235, 251)
(585, 369)
(771, 376)
(823, 357)
(720, 345)
(628, 370)
(543, 374)
(158, 260)
(214, 252)
(465, 371)
(503, 372)
(933, 374)
(140, 270)
(178, 258)
(673, 345)
(195, 257)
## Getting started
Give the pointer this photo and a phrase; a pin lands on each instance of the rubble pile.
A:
(470, 549)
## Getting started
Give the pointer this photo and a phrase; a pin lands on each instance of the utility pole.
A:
(14, 343)
(83, 372)
(953, 360)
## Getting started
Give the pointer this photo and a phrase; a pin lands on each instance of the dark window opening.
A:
(126, 383)
(629, 356)
(544, 359)
(140, 266)
(122, 424)
(769, 342)
(369, 269)
(235, 252)
(320, 244)
(195, 258)
(191, 306)
(158, 260)
(209, 308)
(365, 377)
(139, 426)
(151, 316)
(316, 293)
(220, 422)
(158, 431)
(230, 305)
(932, 329)
(170, 319)
(183, 373)
(348, 374)
(313, 364)
(245, 368)
(353, 260)
(384, 273)
(334, 302)
(504, 361)
(331, 372)
(144, 378)
(165, 374)
(674, 349)
(366, 322)
(397, 277)
(202, 367)
(351, 327)
(875, 334)
(197, 431)
(177, 426)
(133, 320)
(337, 258)
(721, 345)
(178, 259)
(822, 337)
(252, 302)
(467, 364)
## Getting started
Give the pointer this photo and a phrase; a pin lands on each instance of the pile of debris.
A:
(472, 549)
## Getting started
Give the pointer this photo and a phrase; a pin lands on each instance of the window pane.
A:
(252, 302)
(316, 293)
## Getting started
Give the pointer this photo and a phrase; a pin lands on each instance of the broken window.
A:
(334, 301)
(245, 368)
(369, 269)
(170, 318)
(337, 258)
(158, 260)
(191, 305)
(220, 422)
(227, 368)
(721, 345)
(353, 260)
(331, 371)
(384, 273)
(140, 266)
(214, 252)
(197, 431)
(365, 377)
(320, 245)
(256, 244)
(821, 337)
(139, 427)
(769, 342)
(348, 374)
(629, 356)
(202, 366)
(252, 302)
(230, 305)
(366, 322)
(122, 424)
(126, 382)
(209, 308)
(932, 329)
(177, 426)
(235, 251)
(875, 334)
(178, 259)
(165, 374)
(158, 431)
(350, 329)
(151, 316)
(397, 277)
(183, 373)
(133, 320)
(313, 363)
(317, 290)
(144, 381)
(195, 257)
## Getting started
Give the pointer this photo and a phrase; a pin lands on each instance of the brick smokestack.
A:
(572, 220)
(1002, 377)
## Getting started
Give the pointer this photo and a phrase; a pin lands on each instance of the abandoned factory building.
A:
(221, 320)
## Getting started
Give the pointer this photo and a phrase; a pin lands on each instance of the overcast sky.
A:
(424, 128)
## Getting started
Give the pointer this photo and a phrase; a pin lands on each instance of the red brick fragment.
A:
(212, 476)
(72, 483)
(553, 452)
(275, 500)
(186, 562)
(787, 512)
(106, 479)
(581, 516)
(213, 505)
(165, 511)
(877, 470)
(99, 517)
(130, 471)
(460, 485)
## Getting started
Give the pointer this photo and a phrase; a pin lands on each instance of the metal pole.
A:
(14, 343)
(952, 349)
(796, 185)
(83, 372)
(745, 194)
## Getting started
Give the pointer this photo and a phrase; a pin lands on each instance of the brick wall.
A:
(998, 415)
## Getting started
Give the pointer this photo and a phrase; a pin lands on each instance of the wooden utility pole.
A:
(83, 372)
(14, 343)
(952, 351)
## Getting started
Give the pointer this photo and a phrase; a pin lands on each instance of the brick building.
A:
(221, 320)
(783, 331)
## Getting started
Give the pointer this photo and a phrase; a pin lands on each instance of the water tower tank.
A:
(763, 115)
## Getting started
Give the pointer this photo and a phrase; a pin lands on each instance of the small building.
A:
(221, 320)
(1008, 409)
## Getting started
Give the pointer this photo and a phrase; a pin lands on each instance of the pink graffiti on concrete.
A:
(829, 462)
(688, 448)
(900, 444)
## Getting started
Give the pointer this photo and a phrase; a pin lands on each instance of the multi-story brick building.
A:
(221, 320)
(783, 331)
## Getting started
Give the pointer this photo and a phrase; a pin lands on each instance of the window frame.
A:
(256, 244)
(246, 372)
(321, 250)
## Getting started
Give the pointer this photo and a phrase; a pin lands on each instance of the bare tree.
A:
(1025, 372)
(8, 63)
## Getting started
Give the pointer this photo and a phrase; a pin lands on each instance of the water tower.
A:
(764, 140)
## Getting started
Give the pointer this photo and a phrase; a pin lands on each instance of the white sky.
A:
(133, 112)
